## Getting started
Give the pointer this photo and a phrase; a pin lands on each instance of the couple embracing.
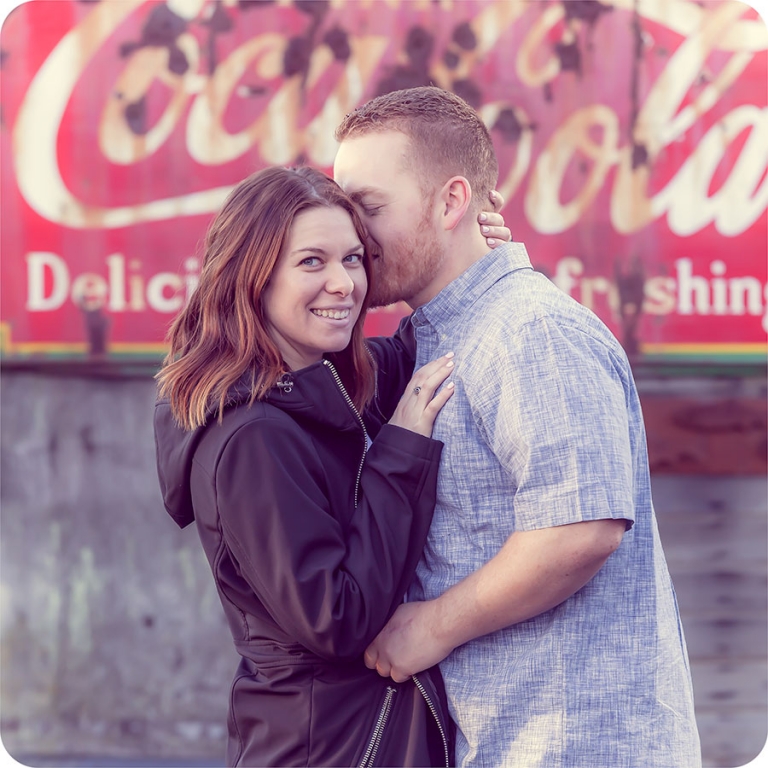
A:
(437, 548)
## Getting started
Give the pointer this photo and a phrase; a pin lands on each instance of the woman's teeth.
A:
(332, 313)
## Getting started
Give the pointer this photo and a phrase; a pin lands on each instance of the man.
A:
(543, 590)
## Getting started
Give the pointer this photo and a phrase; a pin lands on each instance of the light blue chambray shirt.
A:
(545, 429)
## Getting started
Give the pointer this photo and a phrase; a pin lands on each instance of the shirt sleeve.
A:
(331, 586)
(553, 410)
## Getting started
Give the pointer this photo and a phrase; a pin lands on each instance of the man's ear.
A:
(455, 197)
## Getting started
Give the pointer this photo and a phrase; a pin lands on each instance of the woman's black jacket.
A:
(313, 538)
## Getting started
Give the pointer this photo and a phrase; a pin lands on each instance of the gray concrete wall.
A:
(715, 535)
(113, 639)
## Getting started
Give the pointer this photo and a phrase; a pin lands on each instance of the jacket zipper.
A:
(359, 418)
(432, 709)
(376, 375)
(378, 731)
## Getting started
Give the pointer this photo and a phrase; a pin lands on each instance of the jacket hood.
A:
(174, 449)
(311, 394)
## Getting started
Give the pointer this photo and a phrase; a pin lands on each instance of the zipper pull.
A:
(285, 383)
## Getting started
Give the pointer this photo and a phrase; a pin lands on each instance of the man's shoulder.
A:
(523, 297)
(525, 308)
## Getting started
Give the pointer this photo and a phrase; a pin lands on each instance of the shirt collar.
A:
(471, 284)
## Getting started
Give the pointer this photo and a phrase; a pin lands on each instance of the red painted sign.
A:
(632, 138)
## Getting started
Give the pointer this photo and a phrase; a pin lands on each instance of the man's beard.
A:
(407, 268)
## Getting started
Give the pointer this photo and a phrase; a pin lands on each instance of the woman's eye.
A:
(354, 258)
(372, 210)
(310, 261)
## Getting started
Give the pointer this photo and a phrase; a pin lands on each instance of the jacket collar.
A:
(313, 392)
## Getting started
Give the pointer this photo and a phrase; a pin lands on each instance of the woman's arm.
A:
(330, 586)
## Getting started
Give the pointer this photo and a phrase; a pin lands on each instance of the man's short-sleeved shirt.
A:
(545, 429)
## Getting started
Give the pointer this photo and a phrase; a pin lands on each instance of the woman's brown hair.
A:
(221, 334)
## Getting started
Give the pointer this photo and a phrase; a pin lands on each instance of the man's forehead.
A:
(362, 161)
(352, 167)
(356, 179)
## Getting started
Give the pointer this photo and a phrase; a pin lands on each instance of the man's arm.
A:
(533, 572)
(561, 432)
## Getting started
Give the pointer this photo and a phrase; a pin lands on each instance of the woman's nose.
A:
(339, 280)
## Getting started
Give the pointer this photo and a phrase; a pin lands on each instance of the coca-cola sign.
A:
(632, 137)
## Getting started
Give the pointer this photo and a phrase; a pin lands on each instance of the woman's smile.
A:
(332, 314)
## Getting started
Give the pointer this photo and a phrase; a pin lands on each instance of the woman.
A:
(281, 432)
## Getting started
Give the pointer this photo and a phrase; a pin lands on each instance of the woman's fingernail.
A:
(449, 364)
(483, 217)
(449, 354)
(491, 241)
(486, 230)
(450, 385)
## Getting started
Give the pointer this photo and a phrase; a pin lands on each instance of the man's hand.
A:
(407, 644)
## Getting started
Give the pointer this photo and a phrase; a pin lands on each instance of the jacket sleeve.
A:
(331, 589)
(395, 358)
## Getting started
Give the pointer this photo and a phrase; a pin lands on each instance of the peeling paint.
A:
(84, 585)
(6, 607)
